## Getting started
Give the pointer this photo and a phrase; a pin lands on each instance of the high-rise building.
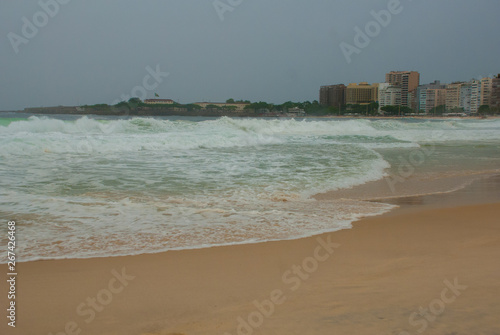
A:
(495, 93)
(362, 93)
(453, 96)
(422, 98)
(421, 95)
(486, 91)
(412, 100)
(475, 96)
(382, 87)
(435, 97)
(465, 97)
(407, 80)
(388, 95)
(332, 95)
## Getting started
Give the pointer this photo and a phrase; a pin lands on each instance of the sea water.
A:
(86, 187)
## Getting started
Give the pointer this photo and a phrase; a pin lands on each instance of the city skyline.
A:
(402, 88)
(424, 97)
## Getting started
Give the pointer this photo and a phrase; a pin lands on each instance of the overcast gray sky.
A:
(96, 51)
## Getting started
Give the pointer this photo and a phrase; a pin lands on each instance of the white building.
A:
(238, 106)
(422, 99)
(382, 87)
(475, 98)
(159, 101)
(465, 97)
(389, 95)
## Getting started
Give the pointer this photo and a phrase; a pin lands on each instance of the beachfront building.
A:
(389, 95)
(465, 97)
(382, 88)
(475, 95)
(362, 93)
(435, 97)
(421, 98)
(495, 93)
(296, 112)
(237, 106)
(421, 95)
(159, 101)
(412, 100)
(408, 81)
(486, 84)
(332, 95)
(453, 95)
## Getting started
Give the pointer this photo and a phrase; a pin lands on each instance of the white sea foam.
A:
(89, 188)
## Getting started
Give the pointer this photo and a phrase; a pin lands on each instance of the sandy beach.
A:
(241, 167)
(419, 269)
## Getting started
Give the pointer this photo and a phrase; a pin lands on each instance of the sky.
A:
(75, 52)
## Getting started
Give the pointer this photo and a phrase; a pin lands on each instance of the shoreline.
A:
(52, 248)
(402, 202)
(383, 270)
(435, 185)
(252, 115)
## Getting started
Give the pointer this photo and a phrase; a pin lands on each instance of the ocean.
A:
(81, 187)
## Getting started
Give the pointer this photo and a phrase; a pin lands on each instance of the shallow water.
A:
(85, 187)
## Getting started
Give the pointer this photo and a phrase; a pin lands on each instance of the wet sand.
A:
(430, 266)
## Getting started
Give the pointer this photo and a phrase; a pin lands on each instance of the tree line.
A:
(313, 108)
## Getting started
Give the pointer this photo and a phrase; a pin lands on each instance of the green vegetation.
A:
(484, 110)
(134, 105)
(260, 106)
(98, 106)
(439, 110)
(370, 109)
(487, 110)
(396, 110)
(232, 101)
(310, 108)
(189, 107)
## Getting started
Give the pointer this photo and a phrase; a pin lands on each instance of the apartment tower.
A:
(453, 96)
(407, 80)
(435, 97)
(422, 98)
(465, 97)
(332, 95)
(362, 93)
(388, 95)
(495, 93)
(486, 91)
(475, 96)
